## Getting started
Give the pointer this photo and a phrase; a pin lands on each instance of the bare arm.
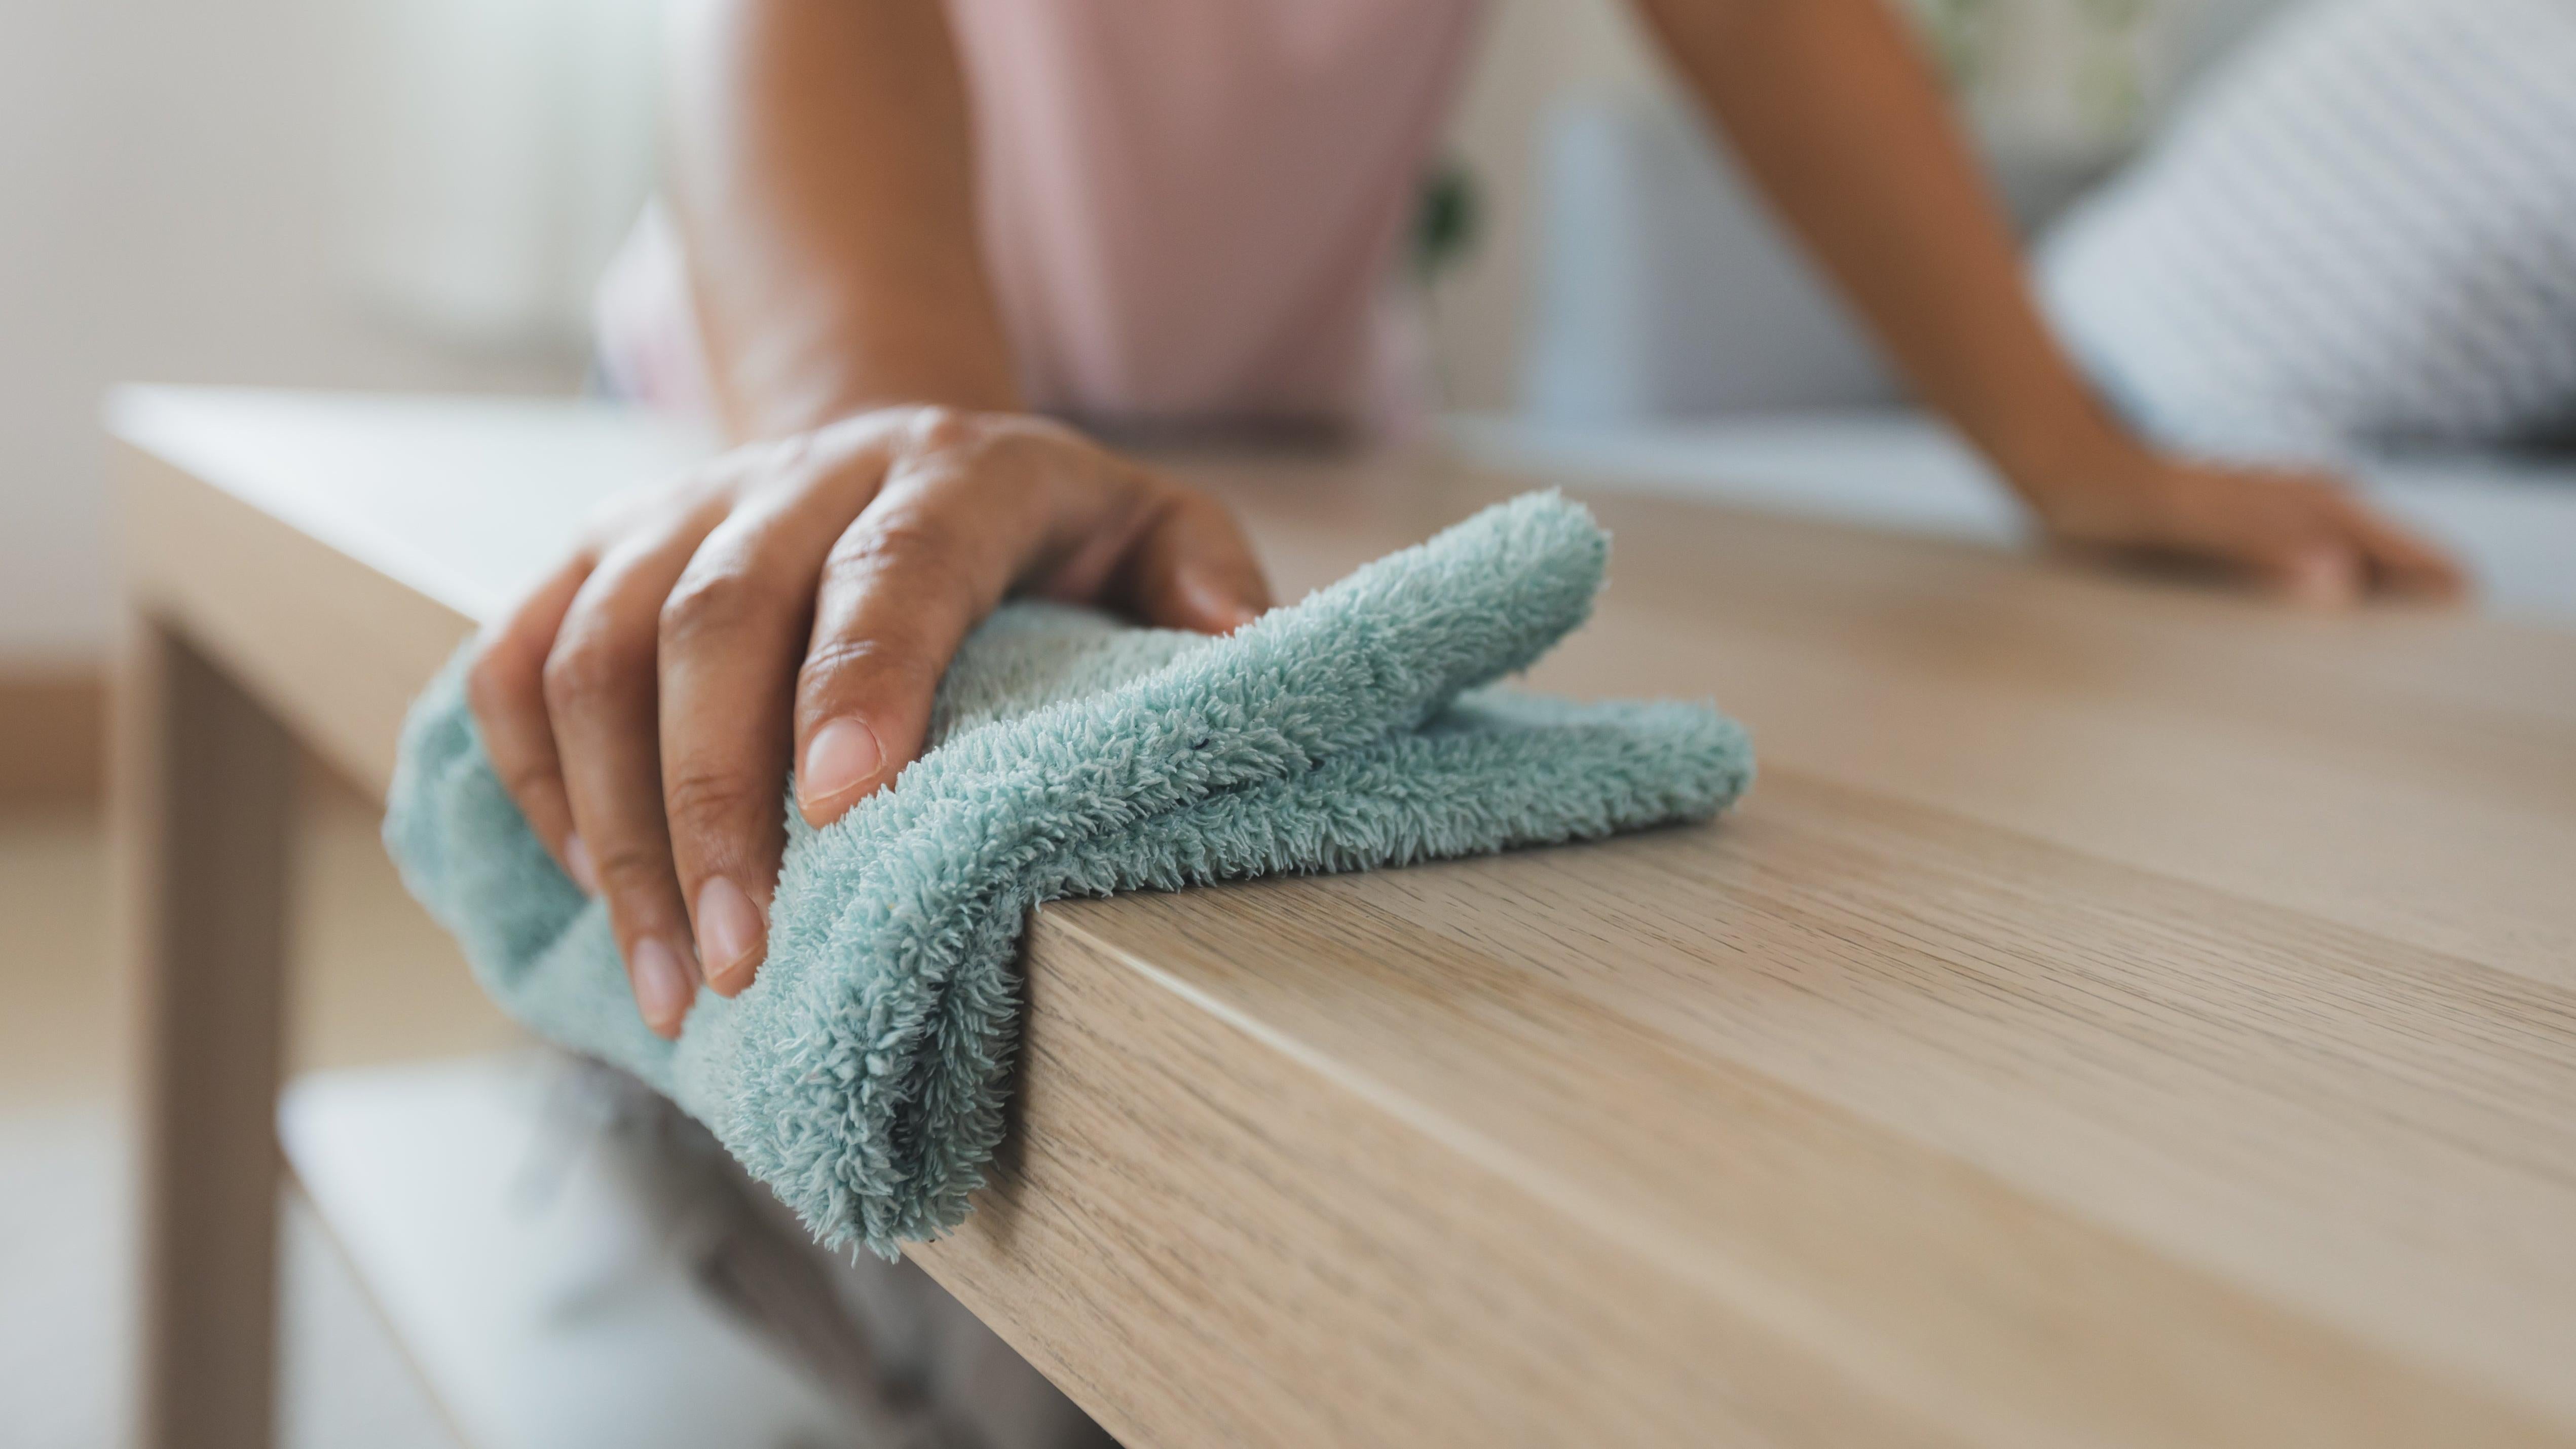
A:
(1841, 121)
(798, 600)
(823, 173)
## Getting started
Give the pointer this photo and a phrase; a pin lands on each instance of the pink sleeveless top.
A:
(1192, 211)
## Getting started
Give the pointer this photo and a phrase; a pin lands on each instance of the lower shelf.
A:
(536, 1286)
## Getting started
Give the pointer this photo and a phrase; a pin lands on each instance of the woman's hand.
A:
(798, 600)
(2301, 534)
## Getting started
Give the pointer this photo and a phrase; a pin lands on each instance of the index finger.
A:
(506, 690)
(2403, 560)
(733, 635)
(901, 588)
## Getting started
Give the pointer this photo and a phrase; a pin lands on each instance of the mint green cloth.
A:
(862, 1075)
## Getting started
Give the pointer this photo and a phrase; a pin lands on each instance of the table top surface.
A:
(2509, 519)
(2120, 1010)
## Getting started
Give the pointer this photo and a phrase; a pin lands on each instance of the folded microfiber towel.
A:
(861, 1076)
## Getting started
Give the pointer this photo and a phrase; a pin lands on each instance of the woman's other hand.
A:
(2303, 535)
(1838, 114)
(798, 600)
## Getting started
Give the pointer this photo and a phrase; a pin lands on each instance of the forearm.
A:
(1838, 117)
(822, 172)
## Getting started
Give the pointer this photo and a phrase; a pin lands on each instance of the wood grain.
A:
(2410, 770)
(1833, 1066)
(2124, 1013)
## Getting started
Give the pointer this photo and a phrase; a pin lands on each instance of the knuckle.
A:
(937, 428)
(582, 673)
(630, 870)
(784, 454)
(707, 603)
(910, 545)
(960, 445)
(842, 666)
(789, 461)
(527, 780)
(708, 801)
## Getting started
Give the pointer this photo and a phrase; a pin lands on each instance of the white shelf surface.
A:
(533, 1287)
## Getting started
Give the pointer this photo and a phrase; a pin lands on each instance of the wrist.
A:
(2076, 468)
(825, 402)
(786, 382)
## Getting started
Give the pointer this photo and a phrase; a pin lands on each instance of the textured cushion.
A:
(861, 1076)
(2362, 232)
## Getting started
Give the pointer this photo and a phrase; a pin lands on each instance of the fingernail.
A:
(663, 988)
(729, 929)
(1219, 606)
(842, 756)
(577, 861)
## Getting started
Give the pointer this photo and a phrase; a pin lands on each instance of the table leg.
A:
(206, 782)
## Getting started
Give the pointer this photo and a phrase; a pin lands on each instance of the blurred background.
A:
(420, 194)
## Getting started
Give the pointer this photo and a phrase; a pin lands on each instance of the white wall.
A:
(169, 212)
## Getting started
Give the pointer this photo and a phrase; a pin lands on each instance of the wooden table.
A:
(2122, 1013)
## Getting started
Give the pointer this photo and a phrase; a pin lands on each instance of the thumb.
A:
(1193, 569)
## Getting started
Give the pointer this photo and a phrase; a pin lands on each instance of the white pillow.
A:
(2361, 232)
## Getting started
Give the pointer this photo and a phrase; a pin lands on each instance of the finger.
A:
(506, 690)
(2287, 531)
(2402, 560)
(900, 589)
(601, 693)
(2320, 572)
(1191, 568)
(733, 635)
